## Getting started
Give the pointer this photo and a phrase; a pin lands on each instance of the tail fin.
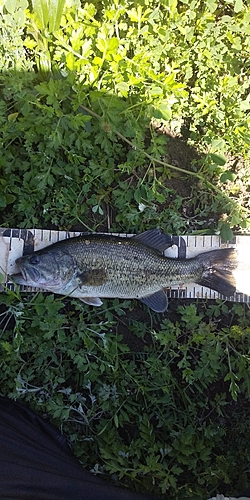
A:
(218, 266)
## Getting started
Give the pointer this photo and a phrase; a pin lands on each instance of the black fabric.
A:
(36, 463)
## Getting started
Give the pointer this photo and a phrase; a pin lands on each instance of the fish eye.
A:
(35, 259)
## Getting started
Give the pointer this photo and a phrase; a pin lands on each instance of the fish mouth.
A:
(17, 278)
(29, 275)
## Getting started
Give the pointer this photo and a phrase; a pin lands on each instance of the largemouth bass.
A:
(96, 265)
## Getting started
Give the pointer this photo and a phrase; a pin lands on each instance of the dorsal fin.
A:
(156, 239)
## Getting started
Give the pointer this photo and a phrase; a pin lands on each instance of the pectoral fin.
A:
(91, 301)
(93, 277)
(157, 301)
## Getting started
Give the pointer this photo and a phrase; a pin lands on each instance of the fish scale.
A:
(94, 266)
(135, 265)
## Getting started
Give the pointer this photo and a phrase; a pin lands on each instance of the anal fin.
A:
(158, 301)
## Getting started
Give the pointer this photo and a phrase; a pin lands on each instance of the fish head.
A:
(42, 269)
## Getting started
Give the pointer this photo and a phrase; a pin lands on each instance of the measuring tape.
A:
(15, 243)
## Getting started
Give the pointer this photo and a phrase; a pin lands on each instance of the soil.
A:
(181, 155)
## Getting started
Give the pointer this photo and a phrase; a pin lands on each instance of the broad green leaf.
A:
(218, 145)
(25, 109)
(85, 47)
(10, 198)
(11, 6)
(55, 14)
(227, 176)
(235, 220)
(245, 223)
(101, 44)
(122, 87)
(226, 232)
(162, 111)
(244, 135)
(211, 5)
(155, 91)
(19, 16)
(245, 27)
(218, 159)
(48, 13)
(7, 346)
(133, 15)
(8, 19)
(245, 104)
(113, 44)
(41, 11)
(98, 209)
(238, 6)
(97, 61)
(172, 4)
(237, 43)
(12, 117)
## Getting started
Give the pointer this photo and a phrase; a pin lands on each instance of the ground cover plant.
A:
(124, 116)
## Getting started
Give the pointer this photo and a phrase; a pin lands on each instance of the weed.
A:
(76, 118)
(160, 414)
(85, 92)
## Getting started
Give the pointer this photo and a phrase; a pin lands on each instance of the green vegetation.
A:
(79, 92)
(124, 116)
(162, 404)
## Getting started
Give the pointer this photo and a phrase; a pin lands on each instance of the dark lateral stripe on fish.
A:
(97, 265)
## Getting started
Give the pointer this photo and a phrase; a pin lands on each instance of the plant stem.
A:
(172, 167)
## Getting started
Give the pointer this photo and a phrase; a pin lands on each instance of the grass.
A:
(124, 117)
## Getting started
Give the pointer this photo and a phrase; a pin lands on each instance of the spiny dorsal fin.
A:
(156, 239)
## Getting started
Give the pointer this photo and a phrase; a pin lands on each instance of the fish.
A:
(94, 266)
